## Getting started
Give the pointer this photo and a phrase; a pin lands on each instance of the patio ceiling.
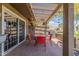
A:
(43, 11)
(24, 9)
(37, 13)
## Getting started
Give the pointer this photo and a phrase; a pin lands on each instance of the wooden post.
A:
(68, 29)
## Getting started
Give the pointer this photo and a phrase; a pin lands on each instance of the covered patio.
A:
(34, 17)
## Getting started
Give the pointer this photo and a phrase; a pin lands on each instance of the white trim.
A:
(2, 45)
(25, 30)
(2, 20)
(18, 31)
(11, 49)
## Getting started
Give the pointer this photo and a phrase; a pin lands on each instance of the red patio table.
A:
(40, 39)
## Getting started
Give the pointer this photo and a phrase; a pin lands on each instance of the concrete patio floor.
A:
(40, 50)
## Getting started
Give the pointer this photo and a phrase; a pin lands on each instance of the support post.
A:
(68, 29)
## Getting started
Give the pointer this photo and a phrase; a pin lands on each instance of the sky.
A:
(55, 20)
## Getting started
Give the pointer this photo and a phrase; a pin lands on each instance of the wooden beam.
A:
(42, 13)
(31, 12)
(41, 9)
(40, 26)
(57, 8)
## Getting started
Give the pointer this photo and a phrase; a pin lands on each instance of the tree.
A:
(76, 21)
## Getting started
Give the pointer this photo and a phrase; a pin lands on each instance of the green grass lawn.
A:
(76, 34)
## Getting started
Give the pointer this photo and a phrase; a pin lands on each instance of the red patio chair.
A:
(40, 40)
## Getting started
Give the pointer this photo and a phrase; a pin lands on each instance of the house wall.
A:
(9, 9)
